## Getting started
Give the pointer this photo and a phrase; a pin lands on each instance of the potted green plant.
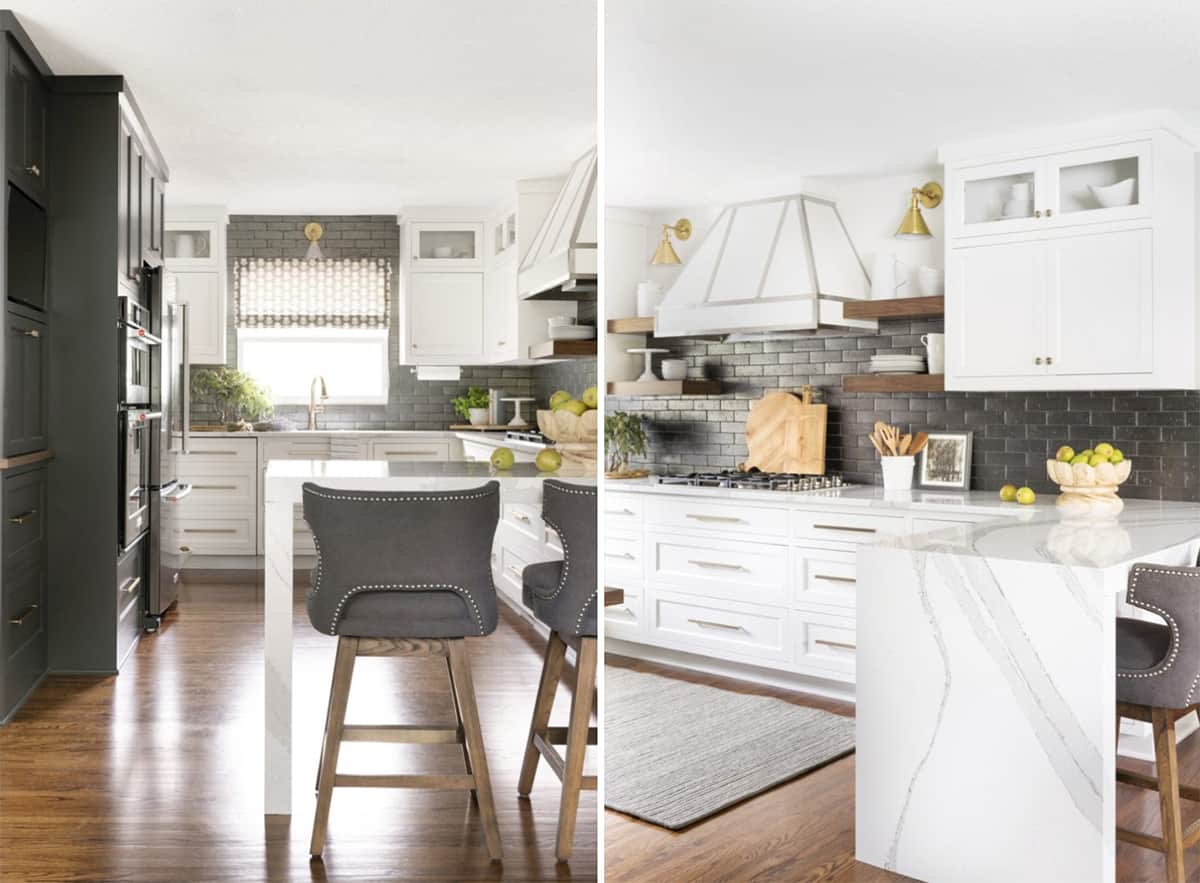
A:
(236, 397)
(472, 406)
(624, 437)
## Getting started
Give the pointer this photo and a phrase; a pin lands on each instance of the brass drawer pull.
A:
(843, 527)
(214, 487)
(522, 518)
(131, 585)
(32, 332)
(20, 620)
(514, 571)
(209, 530)
(185, 548)
(619, 512)
(721, 518)
(717, 565)
(34, 170)
(23, 517)
(215, 453)
(834, 579)
(709, 624)
(838, 644)
(626, 556)
(411, 453)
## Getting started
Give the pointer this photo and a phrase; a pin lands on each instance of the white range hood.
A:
(561, 261)
(775, 265)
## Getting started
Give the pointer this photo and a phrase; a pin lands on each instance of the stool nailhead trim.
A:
(416, 587)
(1167, 664)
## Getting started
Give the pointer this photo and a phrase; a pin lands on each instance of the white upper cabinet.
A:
(1073, 264)
(194, 254)
(445, 318)
(445, 246)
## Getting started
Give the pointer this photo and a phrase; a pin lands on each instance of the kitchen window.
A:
(299, 318)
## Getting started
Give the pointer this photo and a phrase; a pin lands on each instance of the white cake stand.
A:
(518, 417)
(648, 374)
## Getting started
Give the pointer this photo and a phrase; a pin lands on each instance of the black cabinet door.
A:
(124, 153)
(25, 121)
(23, 597)
(24, 385)
(138, 237)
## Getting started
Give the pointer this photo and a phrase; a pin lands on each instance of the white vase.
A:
(897, 472)
(478, 416)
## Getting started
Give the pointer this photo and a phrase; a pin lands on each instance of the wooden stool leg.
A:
(343, 671)
(464, 690)
(577, 739)
(1167, 766)
(458, 717)
(324, 739)
(552, 667)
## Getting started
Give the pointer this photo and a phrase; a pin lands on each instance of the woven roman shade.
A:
(299, 293)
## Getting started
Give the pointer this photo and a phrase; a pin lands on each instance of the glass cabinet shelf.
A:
(188, 244)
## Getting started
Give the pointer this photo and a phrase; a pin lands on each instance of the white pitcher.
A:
(888, 276)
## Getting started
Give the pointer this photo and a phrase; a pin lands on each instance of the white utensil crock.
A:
(649, 296)
(897, 472)
(935, 348)
(888, 275)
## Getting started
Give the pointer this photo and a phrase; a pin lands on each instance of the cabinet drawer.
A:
(725, 629)
(217, 535)
(311, 448)
(525, 520)
(825, 577)
(512, 566)
(623, 559)
(24, 607)
(24, 514)
(623, 511)
(626, 620)
(844, 527)
(740, 571)
(223, 455)
(703, 514)
(232, 492)
(825, 644)
(929, 525)
(422, 449)
(131, 577)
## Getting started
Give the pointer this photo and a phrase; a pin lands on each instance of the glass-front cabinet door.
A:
(1100, 184)
(445, 246)
(998, 198)
(190, 245)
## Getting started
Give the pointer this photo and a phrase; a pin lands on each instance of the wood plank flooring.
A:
(803, 830)
(156, 774)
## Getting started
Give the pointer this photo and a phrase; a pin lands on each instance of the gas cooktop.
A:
(758, 481)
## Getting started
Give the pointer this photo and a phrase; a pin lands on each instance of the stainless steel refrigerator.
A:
(166, 552)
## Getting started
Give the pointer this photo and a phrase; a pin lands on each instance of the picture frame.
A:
(945, 462)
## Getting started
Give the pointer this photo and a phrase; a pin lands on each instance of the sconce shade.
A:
(313, 233)
(913, 226)
(665, 253)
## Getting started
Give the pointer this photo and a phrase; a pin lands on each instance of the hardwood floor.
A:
(156, 774)
(803, 830)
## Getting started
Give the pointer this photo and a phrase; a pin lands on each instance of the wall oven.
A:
(138, 433)
(136, 348)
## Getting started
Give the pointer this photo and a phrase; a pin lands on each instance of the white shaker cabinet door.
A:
(996, 311)
(1101, 316)
(203, 292)
(445, 312)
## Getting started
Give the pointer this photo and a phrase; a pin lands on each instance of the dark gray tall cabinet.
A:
(108, 192)
(24, 349)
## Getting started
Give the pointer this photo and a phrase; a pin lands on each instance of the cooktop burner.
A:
(526, 435)
(755, 480)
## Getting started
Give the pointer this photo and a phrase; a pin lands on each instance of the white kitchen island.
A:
(281, 492)
(986, 693)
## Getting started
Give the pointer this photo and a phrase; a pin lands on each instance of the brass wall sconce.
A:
(665, 254)
(913, 225)
(313, 233)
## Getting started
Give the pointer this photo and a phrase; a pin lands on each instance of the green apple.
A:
(1104, 448)
(560, 398)
(1087, 452)
(548, 460)
(1116, 456)
(575, 406)
(1026, 496)
(1081, 457)
(1008, 493)
(1097, 459)
(1065, 454)
(502, 458)
(590, 398)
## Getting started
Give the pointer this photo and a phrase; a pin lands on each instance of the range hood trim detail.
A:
(560, 264)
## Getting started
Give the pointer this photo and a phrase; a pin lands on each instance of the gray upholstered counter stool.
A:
(404, 574)
(1158, 681)
(562, 594)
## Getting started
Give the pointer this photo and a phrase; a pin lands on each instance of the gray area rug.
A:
(676, 752)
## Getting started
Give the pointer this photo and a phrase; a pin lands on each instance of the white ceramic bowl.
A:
(1081, 476)
(443, 251)
(558, 321)
(1114, 195)
(572, 332)
(674, 369)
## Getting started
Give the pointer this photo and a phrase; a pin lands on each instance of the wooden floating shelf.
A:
(639, 325)
(664, 388)
(563, 349)
(485, 427)
(898, 308)
(894, 382)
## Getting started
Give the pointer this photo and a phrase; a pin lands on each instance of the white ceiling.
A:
(711, 103)
(358, 106)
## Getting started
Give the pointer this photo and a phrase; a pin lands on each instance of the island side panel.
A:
(277, 619)
(985, 717)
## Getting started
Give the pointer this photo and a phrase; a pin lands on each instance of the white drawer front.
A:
(739, 571)
(512, 567)
(844, 527)
(526, 520)
(626, 620)
(311, 448)
(623, 511)
(928, 525)
(825, 644)
(825, 577)
(416, 449)
(622, 559)
(724, 629)
(226, 492)
(222, 454)
(707, 516)
(222, 535)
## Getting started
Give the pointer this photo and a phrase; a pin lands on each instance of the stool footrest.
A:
(558, 735)
(459, 782)
(550, 753)
(402, 646)
(1187, 792)
(1191, 836)
(403, 733)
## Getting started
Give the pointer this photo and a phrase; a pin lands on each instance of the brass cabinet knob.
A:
(1049, 212)
(1049, 360)
(1038, 213)
(1037, 360)
(34, 170)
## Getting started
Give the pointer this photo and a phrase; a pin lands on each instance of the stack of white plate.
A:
(897, 364)
(572, 332)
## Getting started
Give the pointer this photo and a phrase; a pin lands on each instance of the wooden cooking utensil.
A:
(786, 433)
(905, 441)
(873, 440)
(919, 441)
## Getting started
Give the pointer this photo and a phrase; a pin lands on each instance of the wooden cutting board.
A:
(786, 433)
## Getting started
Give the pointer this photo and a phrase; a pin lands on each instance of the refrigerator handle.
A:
(185, 387)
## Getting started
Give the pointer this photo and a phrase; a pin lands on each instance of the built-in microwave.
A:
(136, 346)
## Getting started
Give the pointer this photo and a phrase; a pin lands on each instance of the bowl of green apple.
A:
(1091, 477)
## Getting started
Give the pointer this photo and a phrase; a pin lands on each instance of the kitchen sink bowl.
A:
(1089, 490)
